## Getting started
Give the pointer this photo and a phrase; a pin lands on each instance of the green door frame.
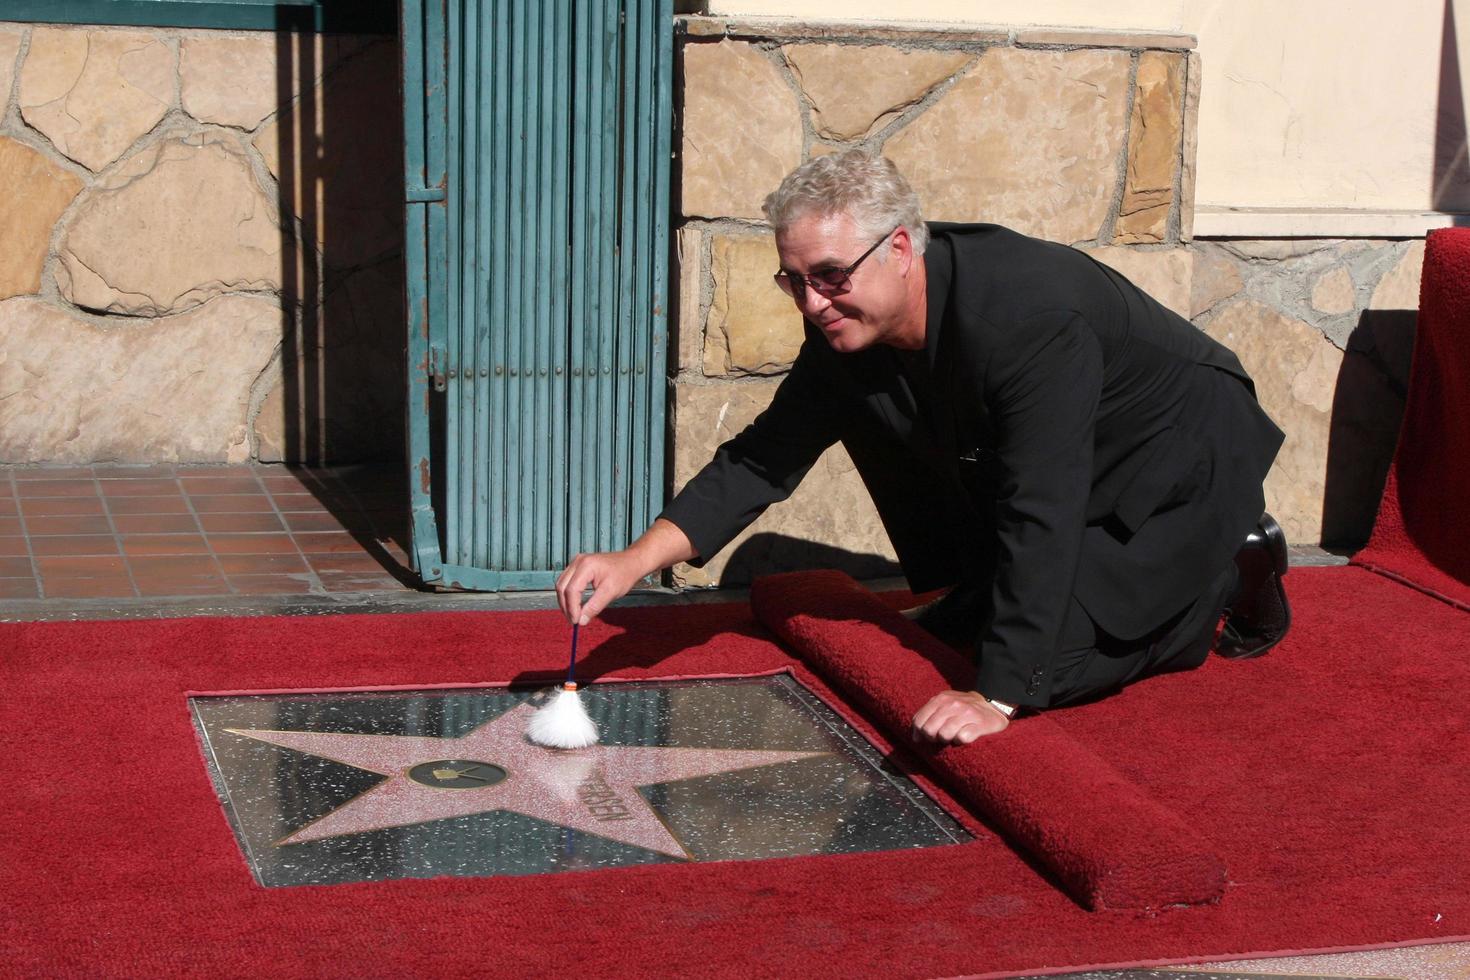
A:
(537, 162)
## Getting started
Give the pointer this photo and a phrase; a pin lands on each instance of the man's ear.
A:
(903, 247)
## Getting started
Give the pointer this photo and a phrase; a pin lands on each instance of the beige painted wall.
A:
(1306, 104)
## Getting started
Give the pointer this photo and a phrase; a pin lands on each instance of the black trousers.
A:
(937, 535)
(1091, 664)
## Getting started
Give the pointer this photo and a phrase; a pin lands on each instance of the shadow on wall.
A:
(1450, 182)
(339, 149)
(1367, 408)
(767, 554)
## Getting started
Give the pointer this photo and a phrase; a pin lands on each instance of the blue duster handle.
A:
(572, 664)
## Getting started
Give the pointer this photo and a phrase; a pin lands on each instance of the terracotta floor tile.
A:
(260, 564)
(145, 505)
(31, 474)
(18, 588)
(10, 525)
(26, 489)
(164, 544)
(12, 546)
(55, 506)
(216, 523)
(138, 488)
(328, 542)
(212, 469)
(87, 588)
(359, 582)
(348, 561)
(159, 587)
(77, 544)
(310, 520)
(155, 523)
(286, 483)
(272, 584)
(232, 503)
(14, 566)
(307, 502)
(194, 485)
(106, 566)
(123, 471)
(68, 524)
(172, 566)
(252, 544)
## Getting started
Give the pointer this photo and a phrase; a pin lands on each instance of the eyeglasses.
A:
(827, 282)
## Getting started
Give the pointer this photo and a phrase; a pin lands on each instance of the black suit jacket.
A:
(1061, 435)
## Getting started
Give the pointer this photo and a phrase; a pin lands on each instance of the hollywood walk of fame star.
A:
(493, 767)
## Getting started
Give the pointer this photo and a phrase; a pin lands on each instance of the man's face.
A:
(872, 308)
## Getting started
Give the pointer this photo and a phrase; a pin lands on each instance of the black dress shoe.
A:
(1257, 614)
(954, 618)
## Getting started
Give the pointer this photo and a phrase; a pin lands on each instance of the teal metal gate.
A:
(537, 161)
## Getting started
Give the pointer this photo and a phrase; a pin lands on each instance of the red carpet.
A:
(1329, 777)
(1422, 535)
(1110, 844)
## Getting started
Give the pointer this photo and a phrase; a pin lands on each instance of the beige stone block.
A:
(753, 327)
(93, 93)
(1399, 287)
(1165, 274)
(857, 90)
(1295, 369)
(829, 522)
(269, 428)
(1333, 293)
(742, 130)
(345, 176)
(1213, 278)
(690, 324)
(239, 79)
(1194, 73)
(1276, 249)
(10, 41)
(1030, 139)
(180, 222)
(1104, 39)
(169, 390)
(36, 192)
(789, 29)
(1153, 148)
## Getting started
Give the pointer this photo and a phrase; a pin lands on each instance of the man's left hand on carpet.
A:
(957, 717)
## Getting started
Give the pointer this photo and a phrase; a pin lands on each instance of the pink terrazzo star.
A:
(592, 790)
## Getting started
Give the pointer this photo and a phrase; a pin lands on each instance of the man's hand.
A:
(957, 717)
(610, 574)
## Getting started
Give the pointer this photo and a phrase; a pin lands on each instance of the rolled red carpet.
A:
(1422, 535)
(1104, 839)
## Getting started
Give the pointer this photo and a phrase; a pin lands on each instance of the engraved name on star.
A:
(493, 767)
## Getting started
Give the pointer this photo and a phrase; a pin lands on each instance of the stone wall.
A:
(1326, 329)
(201, 236)
(1077, 137)
(1086, 138)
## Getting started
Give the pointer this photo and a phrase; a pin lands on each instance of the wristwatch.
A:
(1006, 709)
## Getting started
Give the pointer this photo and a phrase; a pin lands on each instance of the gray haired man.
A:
(1080, 465)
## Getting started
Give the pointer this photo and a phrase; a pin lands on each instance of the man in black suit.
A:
(1083, 466)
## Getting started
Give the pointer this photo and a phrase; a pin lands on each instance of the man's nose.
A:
(812, 301)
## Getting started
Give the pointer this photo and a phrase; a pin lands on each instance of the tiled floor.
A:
(167, 531)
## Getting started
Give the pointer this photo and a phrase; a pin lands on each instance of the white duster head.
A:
(563, 723)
